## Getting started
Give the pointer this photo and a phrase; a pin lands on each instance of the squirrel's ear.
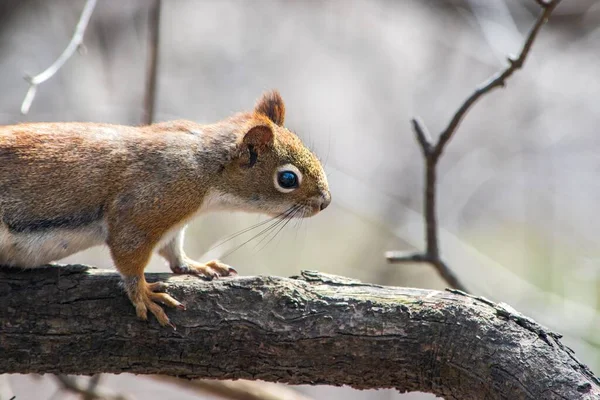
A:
(255, 141)
(271, 105)
(258, 137)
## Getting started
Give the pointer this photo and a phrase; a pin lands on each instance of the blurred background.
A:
(518, 187)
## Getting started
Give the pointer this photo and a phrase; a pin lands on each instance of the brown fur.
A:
(144, 182)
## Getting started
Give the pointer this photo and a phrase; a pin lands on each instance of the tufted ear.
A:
(271, 105)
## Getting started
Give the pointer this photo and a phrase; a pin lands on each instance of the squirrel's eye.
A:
(287, 179)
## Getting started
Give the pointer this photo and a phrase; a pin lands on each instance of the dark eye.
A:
(287, 179)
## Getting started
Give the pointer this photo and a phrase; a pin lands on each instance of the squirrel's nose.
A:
(326, 200)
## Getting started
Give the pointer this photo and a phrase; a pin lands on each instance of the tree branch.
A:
(432, 154)
(70, 384)
(498, 80)
(76, 41)
(313, 329)
(423, 136)
(152, 63)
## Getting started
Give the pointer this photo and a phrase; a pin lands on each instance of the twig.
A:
(404, 257)
(76, 41)
(236, 390)
(92, 385)
(432, 154)
(71, 384)
(152, 65)
(495, 81)
(423, 136)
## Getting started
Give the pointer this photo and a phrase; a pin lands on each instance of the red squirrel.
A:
(68, 186)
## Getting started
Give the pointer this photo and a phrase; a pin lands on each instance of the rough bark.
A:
(312, 329)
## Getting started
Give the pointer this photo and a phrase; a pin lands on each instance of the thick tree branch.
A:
(432, 153)
(313, 329)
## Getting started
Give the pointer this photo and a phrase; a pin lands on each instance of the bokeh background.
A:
(518, 185)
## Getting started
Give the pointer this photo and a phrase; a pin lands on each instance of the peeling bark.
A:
(312, 329)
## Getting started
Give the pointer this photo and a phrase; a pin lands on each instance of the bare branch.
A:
(448, 275)
(423, 136)
(432, 154)
(92, 385)
(400, 257)
(495, 81)
(76, 41)
(70, 384)
(152, 65)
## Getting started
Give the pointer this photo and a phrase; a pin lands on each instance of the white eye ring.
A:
(287, 168)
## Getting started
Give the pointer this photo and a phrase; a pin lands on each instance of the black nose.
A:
(326, 200)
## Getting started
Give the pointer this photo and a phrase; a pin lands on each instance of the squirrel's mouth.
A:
(304, 209)
(300, 210)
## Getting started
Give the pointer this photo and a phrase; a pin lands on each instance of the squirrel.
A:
(68, 186)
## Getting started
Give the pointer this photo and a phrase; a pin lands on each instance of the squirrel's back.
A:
(59, 167)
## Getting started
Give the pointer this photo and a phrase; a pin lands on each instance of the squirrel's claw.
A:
(145, 296)
(211, 270)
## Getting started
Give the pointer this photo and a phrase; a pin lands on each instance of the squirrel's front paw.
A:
(144, 297)
(211, 270)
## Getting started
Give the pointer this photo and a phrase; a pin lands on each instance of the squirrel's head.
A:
(272, 171)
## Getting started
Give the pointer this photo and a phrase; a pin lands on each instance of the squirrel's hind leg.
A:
(179, 263)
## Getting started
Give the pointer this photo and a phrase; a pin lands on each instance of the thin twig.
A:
(70, 384)
(404, 257)
(423, 136)
(431, 225)
(152, 65)
(432, 154)
(76, 41)
(495, 81)
(92, 385)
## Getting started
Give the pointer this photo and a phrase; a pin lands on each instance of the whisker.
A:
(283, 226)
(297, 226)
(236, 234)
(288, 217)
(328, 150)
(267, 229)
